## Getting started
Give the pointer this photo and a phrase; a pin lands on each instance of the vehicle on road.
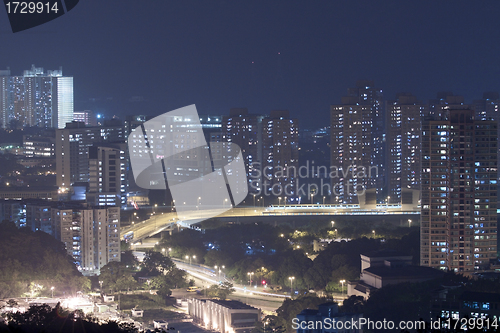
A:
(192, 289)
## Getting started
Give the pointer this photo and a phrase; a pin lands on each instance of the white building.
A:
(223, 315)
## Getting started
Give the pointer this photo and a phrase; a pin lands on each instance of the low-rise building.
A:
(160, 324)
(223, 315)
(383, 268)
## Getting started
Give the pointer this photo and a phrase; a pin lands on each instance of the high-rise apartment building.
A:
(107, 175)
(444, 100)
(487, 108)
(459, 191)
(404, 147)
(245, 130)
(351, 150)
(72, 149)
(37, 98)
(280, 156)
(358, 143)
(367, 94)
(91, 235)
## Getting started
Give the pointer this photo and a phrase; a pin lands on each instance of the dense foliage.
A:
(45, 319)
(274, 254)
(33, 262)
(158, 269)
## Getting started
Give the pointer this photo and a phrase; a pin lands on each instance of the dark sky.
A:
(264, 55)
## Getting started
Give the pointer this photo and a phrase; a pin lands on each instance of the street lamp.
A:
(163, 250)
(250, 278)
(189, 257)
(253, 199)
(52, 289)
(333, 223)
(324, 200)
(291, 278)
(409, 223)
(169, 249)
(373, 232)
(342, 281)
(279, 201)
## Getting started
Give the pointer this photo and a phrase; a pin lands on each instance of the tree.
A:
(43, 318)
(162, 284)
(353, 304)
(221, 291)
(225, 289)
(270, 324)
(129, 260)
(291, 308)
(28, 257)
(116, 276)
(155, 263)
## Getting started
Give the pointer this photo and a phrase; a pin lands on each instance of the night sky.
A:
(152, 56)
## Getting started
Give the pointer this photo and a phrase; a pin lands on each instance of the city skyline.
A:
(251, 164)
(298, 57)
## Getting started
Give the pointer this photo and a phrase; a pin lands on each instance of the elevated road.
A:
(167, 221)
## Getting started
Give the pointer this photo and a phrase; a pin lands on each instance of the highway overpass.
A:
(159, 222)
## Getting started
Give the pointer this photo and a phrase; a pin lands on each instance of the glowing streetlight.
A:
(409, 223)
(342, 281)
(291, 278)
(373, 232)
(250, 278)
(190, 257)
(333, 223)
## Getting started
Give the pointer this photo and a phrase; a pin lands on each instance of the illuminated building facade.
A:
(223, 315)
(351, 149)
(37, 98)
(91, 235)
(459, 191)
(404, 146)
(107, 175)
(72, 149)
(245, 130)
(86, 117)
(280, 160)
(358, 144)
